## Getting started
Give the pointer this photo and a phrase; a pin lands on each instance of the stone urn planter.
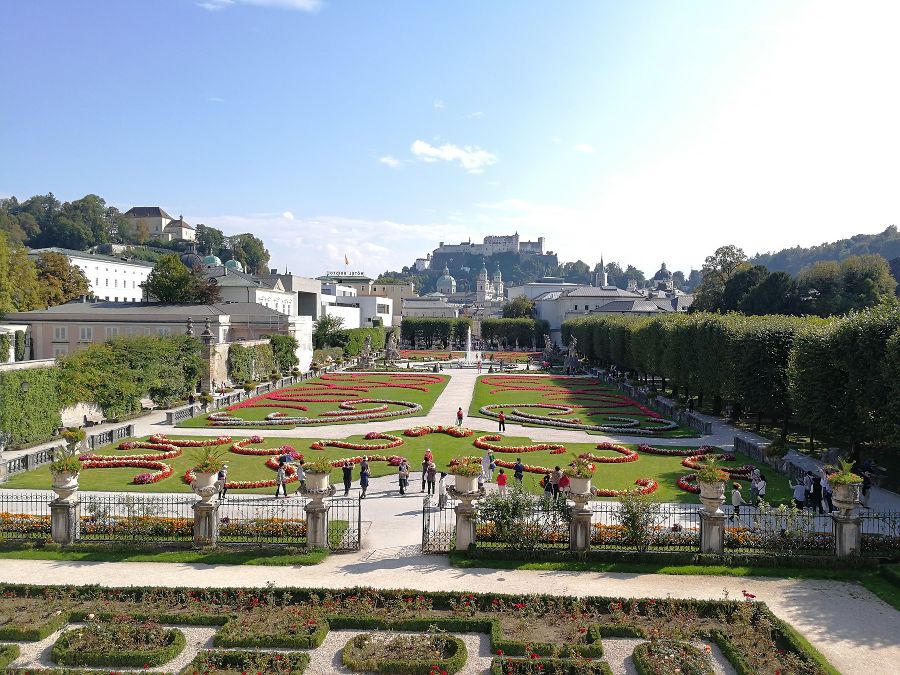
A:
(466, 483)
(845, 497)
(712, 495)
(317, 481)
(204, 485)
(579, 486)
(65, 484)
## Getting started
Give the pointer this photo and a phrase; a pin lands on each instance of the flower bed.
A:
(219, 419)
(124, 643)
(737, 472)
(628, 454)
(456, 432)
(614, 536)
(645, 486)
(393, 442)
(537, 665)
(423, 654)
(244, 662)
(265, 626)
(485, 443)
(629, 423)
(666, 657)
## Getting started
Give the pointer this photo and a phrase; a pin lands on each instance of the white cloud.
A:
(584, 148)
(392, 162)
(301, 5)
(438, 104)
(470, 157)
(287, 215)
(215, 99)
(477, 115)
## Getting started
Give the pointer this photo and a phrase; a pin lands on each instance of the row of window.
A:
(115, 283)
(86, 333)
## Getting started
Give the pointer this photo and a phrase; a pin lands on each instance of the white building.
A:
(236, 286)
(112, 279)
(433, 305)
(159, 224)
(494, 244)
(356, 309)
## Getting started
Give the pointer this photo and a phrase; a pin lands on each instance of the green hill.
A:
(792, 260)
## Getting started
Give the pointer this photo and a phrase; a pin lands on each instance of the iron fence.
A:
(344, 523)
(781, 531)
(544, 525)
(129, 517)
(263, 520)
(648, 527)
(880, 534)
(438, 526)
(24, 516)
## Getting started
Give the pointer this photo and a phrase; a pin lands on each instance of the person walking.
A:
(501, 420)
(280, 477)
(807, 488)
(826, 490)
(442, 490)
(866, 490)
(301, 477)
(223, 480)
(761, 486)
(501, 481)
(563, 484)
(547, 485)
(364, 476)
(492, 466)
(348, 476)
(430, 475)
(403, 475)
(459, 417)
(518, 469)
(554, 481)
(425, 462)
(736, 501)
(479, 366)
(816, 495)
(754, 490)
(799, 493)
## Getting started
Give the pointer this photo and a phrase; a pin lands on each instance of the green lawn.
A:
(522, 390)
(342, 386)
(664, 470)
(135, 553)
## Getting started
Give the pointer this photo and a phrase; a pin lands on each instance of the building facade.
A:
(489, 290)
(494, 244)
(160, 225)
(113, 279)
(432, 305)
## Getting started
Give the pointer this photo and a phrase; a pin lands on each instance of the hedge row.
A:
(310, 641)
(125, 658)
(435, 331)
(644, 664)
(354, 339)
(250, 363)
(210, 660)
(841, 376)
(451, 664)
(30, 416)
(508, 332)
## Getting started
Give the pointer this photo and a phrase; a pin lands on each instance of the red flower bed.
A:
(181, 443)
(689, 483)
(645, 487)
(628, 455)
(456, 432)
(393, 442)
(483, 442)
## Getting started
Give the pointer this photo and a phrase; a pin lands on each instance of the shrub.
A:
(125, 643)
(20, 345)
(211, 661)
(8, 654)
(639, 516)
(31, 416)
(403, 655)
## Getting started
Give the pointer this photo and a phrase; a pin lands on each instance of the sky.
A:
(642, 131)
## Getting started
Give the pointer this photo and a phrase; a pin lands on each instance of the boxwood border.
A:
(62, 655)
(554, 666)
(236, 655)
(451, 664)
(16, 633)
(310, 641)
(641, 659)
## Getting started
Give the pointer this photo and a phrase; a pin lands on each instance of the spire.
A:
(602, 280)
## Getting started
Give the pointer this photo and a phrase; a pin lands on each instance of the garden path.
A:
(856, 632)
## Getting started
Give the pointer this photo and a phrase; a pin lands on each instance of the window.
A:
(112, 331)
(381, 309)
(86, 334)
(60, 333)
(59, 350)
(107, 284)
(116, 299)
(98, 282)
(576, 308)
(116, 283)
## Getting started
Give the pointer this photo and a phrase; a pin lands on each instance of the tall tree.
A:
(60, 280)
(251, 252)
(209, 239)
(718, 268)
(326, 331)
(739, 285)
(521, 307)
(170, 281)
(19, 287)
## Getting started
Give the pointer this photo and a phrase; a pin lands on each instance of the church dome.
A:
(191, 260)
(663, 273)
(212, 260)
(446, 283)
(234, 265)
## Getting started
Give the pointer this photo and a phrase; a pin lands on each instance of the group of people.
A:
(555, 483)
(758, 487)
(812, 491)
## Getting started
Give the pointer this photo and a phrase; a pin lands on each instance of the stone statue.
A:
(573, 346)
(365, 356)
(572, 362)
(391, 353)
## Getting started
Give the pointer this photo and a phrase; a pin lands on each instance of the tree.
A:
(775, 294)
(171, 282)
(576, 272)
(739, 285)
(251, 252)
(60, 280)
(19, 287)
(866, 281)
(632, 272)
(206, 290)
(209, 239)
(521, 307)
(718, 268)
(326, 331)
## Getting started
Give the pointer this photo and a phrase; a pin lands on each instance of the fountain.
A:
(472, 358)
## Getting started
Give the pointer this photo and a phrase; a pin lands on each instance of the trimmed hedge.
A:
(16, 633)
(20, 345)
(452, 663)
(645, 666)
(32, 416)
(354, 339)
(211, 660)
(123, 659)
(547, 666)
(310, 641)
(8, 654)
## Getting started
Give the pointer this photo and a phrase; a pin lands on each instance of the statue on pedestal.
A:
(391, 354)
(365, 356)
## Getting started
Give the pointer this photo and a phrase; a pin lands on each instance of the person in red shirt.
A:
(563, 485)
(459, 417)
(501, 418)
(501, 481)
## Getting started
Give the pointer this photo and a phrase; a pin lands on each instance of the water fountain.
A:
(472, 357)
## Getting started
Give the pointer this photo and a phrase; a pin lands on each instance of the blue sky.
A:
(647, 131)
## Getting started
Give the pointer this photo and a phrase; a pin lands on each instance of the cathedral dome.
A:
(234, 265)
(212, 260)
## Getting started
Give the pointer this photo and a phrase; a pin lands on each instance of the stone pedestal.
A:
(206, 523)
(465, 516)
(65, 521)
(847, 535)
(580, 524)
(712, 532)
(317, 516)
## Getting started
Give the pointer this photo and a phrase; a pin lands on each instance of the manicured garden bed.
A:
(333, 398)
(242, 662)
(122, 642)
(578, 403)
(254, 473)
(422, 654)
(529, 627)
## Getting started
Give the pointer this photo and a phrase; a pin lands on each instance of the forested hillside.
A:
(792, 260)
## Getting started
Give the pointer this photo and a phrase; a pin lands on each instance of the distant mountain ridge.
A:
(792, 260)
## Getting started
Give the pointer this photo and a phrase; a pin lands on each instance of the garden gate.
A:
(438, 527)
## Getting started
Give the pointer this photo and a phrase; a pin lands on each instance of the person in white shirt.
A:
(736, 500)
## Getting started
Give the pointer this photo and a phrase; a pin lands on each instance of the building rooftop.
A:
(87, 255)
(175, 224)
(144, 311)
(146, 212)
(601, 292)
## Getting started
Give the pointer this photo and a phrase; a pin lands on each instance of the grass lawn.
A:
(601, 401)
(323, 394)
(136, 553)
(665, 470)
